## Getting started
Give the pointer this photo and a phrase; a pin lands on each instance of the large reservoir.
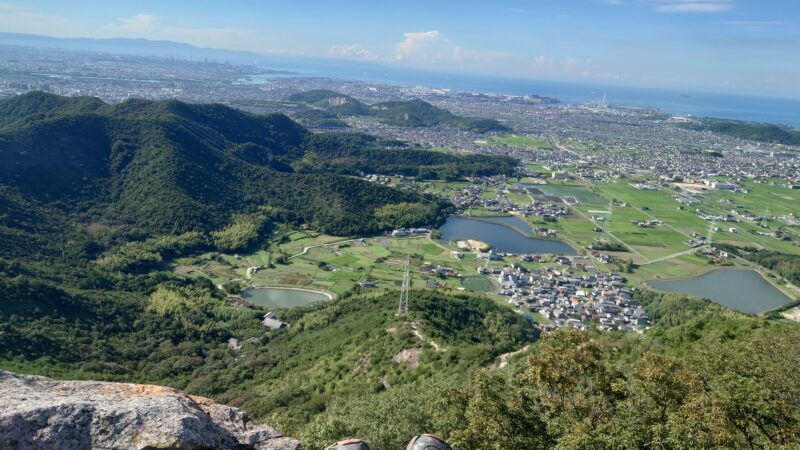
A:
(504, 234)
(740, 289)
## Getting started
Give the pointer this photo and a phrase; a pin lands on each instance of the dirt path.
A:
(503, 359)
(423, 338)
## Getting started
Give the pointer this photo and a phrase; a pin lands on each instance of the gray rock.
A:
(41, 413)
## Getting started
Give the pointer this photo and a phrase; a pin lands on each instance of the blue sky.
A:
(749, 46)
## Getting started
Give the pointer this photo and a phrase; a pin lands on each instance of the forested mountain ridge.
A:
(170, 167)
(326, 104)
(95, 199)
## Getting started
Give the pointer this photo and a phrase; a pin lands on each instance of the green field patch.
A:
(583, 194)
(341, 288)
(345, 275)
(477, 284)
(431, 249)
(344, 260)
(378, 251)
(682, 267)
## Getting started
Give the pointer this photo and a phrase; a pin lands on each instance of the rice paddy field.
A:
(601, 212)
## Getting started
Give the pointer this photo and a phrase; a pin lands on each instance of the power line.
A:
(402, 308)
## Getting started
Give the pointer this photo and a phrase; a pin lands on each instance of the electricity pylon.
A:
(402, 308)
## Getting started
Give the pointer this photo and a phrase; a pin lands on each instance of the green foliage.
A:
(410, 113)
(415, 214)
(785, 264)
(762, 132)
(418, 113)
(236, 236)
(355, 154)
(569, 393)
(401, 412)
(198, 309)
(135, 184)
(148, 254)
(169, 167)
(608, 246)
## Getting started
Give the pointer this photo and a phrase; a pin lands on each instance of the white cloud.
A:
(353, 51)
(136, 25)
(692, 6)
(421, 44)
(432, 48)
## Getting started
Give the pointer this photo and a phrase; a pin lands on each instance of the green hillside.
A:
(170, 167)
(418, 113)
(754, 131)
(352, 154)
(330, 101)
(97, 201)
(411, 113)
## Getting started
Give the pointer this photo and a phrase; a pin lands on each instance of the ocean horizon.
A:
(782, 111)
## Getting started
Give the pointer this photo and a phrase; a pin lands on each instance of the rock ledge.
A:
(41, 413)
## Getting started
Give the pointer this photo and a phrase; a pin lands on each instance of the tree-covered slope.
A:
(354, 154)
(419, 113)
(754, 131)
(405, 113)
(703, 377)
(39, 105)
(330, 101)
(178, 333)
(171, 167)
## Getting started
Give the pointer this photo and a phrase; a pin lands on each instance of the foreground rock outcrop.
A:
(41, 413)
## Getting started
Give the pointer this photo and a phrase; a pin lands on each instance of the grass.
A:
(582, 193)
(377, 259)
(515, 140)
(381, 259)
(477, 284)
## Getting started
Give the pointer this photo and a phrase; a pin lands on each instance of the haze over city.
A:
(735, 46)
(420, 225)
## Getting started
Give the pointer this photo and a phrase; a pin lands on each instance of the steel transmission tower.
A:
(402, 308)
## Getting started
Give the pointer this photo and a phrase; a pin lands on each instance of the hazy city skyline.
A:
(723, 45)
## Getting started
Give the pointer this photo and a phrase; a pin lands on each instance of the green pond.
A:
(276, 297)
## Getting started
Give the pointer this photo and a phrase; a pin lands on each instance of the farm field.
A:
(340, 265)
(515, 140)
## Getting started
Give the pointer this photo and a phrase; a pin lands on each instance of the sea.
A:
(783, 111)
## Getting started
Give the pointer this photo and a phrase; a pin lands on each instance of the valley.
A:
(226, 253)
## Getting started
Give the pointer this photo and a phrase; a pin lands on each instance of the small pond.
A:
(740, 289)
(277, 297)
(504, 234)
